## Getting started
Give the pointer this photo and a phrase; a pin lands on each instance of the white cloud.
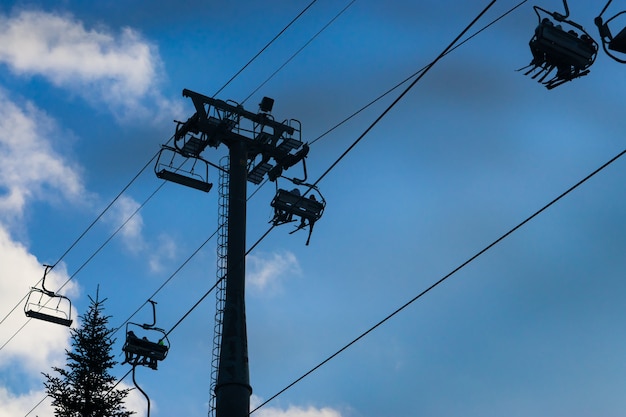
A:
(18, 405)
(166, 250)
(61, 49)
(266, 271)
(29, 167)
(123, 216)
(30, 170)
(124, 213)
(291, 411)
(120, 70)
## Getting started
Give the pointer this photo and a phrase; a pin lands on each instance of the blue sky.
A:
(88, 93)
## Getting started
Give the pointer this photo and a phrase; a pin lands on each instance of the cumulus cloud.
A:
(29, 167)
(119, 69)
(124, 216)
(265, 272)
(126, 221)
(166, 250)
(18, 405)
(61, 49)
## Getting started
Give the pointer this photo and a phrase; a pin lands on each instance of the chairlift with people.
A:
(559, 54)
(139, 349)
(292, 203)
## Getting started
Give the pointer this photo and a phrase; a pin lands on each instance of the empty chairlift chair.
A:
(182, 163)
(190, 171)
(42, 304)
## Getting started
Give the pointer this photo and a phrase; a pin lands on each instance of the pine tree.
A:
(85, 388)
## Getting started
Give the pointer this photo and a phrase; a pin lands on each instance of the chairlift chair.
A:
(38, 300)
(610, 43)
(567, 54)
(139, 350)
(142, 351)
(288, 204)
(171, 165)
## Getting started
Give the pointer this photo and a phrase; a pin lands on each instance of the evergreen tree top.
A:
(85, 386)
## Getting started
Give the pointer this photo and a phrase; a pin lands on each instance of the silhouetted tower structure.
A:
(257, 144)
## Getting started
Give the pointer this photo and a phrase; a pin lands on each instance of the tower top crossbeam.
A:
(218, 122)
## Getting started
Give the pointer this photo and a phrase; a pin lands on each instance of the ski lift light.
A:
(266, 105)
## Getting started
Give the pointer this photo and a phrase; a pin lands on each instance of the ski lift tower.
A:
(256, 143)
